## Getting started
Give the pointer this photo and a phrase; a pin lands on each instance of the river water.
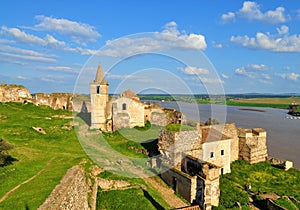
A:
(283, 134)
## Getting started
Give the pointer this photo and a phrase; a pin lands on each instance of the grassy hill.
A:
(47, 157)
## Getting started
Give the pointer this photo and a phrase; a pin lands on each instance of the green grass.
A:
(262, 177)
(56, 152)
(119, 199)
(179, 127)
(286, 203)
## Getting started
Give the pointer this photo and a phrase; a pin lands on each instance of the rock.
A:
(40, 130)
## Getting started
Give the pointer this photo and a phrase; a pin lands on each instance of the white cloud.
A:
(217, 45)
(252, 11)
(12, 57)
(31, 39)
(242, 71)
(66, 69)
(283, 30)
(21, 77)
(80, 33)
(266, 76)
(23, 51)
(266, 82)
(230, 16)
(194, 70)
(169, 38)
(211, 80)
(274, 43)
(225, 76)
(290, 76)
(258, 67)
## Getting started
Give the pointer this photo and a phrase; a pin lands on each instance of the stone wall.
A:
(253, 145)
(284, 164)
(71, 193)
(14, 93)
(271, 205)
(180, 182)
(55, 100)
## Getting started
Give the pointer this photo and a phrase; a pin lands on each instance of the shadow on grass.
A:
(86, 117)
(154, 203)
(7, 160)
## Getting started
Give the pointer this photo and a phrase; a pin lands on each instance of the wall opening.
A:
(174, 183)
(222, 152)
(211, 154)
(124, 106)
(222, 171)
(98, 90)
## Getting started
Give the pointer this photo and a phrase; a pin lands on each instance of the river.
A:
(283, 135)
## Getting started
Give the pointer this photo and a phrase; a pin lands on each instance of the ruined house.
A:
(183, 152)
(125, 111)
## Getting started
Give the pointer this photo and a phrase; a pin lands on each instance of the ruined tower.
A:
(99, 100)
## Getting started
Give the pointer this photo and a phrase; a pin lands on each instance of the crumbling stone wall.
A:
(71, 193)
(173, 144)
(14, 93)
(253, 145)
(55, 100)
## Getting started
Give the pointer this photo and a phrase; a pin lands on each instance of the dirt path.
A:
(16, 187)
(166, 193)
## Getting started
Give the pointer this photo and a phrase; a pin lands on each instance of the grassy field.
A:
(54, 153)
(46, 158)
(262, 177)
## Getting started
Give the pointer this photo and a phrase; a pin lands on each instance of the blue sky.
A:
(254, 46)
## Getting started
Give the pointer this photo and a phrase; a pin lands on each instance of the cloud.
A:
(225, 76)
(266, 41)
(23, 37)
(23, 51)
(230, 16)
(194, 70)
(21, 77)
(251, 11)
(258, 67)
(169, 38)
(217, 45)
(13, 57)
(80, 33)
(242, 71)
(266, 82)
(66, 69)
(290, 76)
(283, 30)
(211, 80)
(266, 76)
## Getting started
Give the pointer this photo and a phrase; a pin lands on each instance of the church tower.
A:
(99, 100)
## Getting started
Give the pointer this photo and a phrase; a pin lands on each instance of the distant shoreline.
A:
(252, 110)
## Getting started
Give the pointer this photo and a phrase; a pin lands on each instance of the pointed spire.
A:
(99, 76)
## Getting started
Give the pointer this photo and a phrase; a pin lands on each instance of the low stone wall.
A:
(284, 164)
(71, 193)
(271, 205)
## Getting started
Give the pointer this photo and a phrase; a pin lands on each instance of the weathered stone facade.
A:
(14, 93)
(196, 181)
(253, 145)
(54, 100)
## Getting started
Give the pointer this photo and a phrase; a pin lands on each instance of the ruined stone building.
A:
(192, 160)
(196, 158)
(125, 111)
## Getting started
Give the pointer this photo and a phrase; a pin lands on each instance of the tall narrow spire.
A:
(99, 76)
